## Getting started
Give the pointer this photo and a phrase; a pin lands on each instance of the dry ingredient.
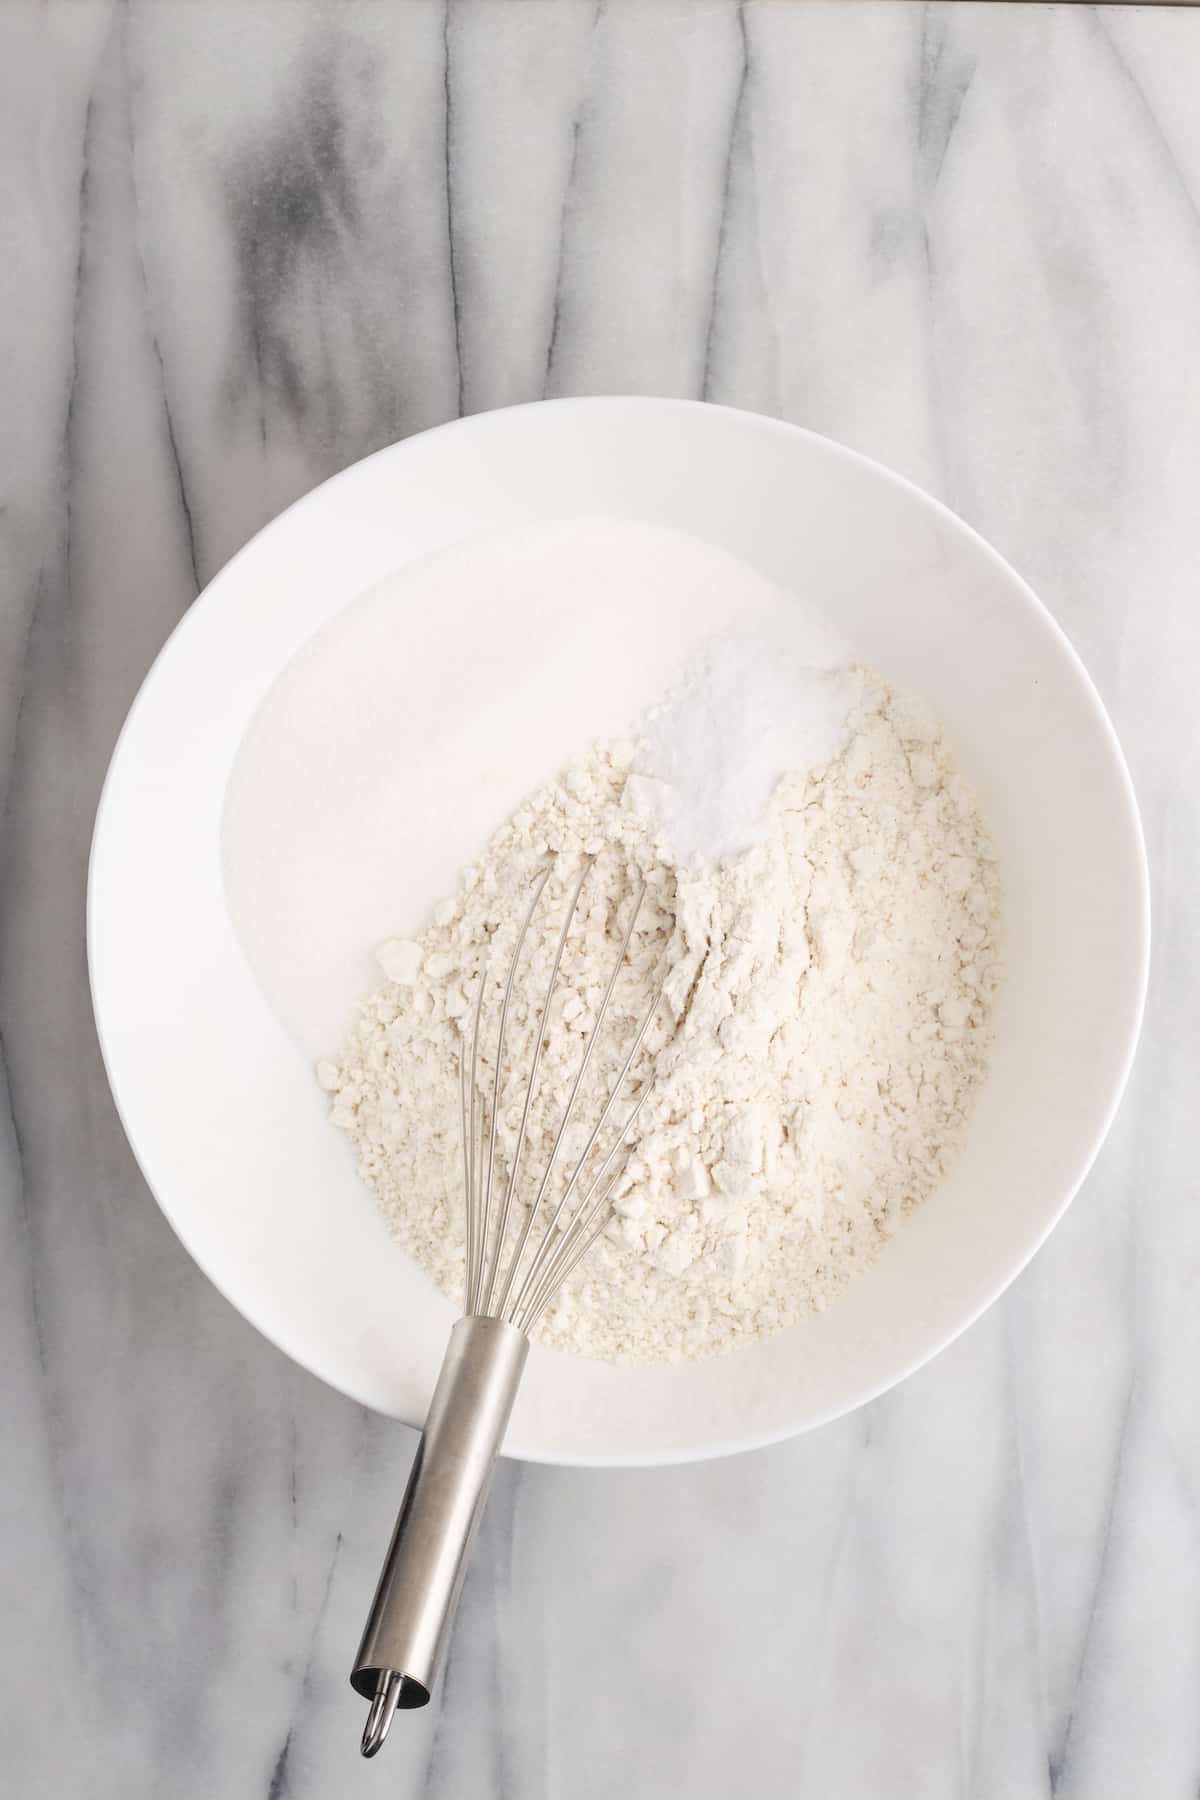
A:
(753, 708)
(830, 927)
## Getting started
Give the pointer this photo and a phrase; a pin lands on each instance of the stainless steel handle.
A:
(422, 1577)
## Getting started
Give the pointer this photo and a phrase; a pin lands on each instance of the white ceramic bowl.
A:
(222, 1110)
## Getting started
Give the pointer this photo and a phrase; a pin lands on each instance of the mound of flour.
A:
(823, 1030)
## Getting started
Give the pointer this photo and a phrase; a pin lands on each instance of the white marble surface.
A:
(244, 243)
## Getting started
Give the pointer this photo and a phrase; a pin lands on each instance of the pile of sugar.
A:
(824, 1027)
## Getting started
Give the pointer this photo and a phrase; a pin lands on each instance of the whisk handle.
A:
(422, 1576)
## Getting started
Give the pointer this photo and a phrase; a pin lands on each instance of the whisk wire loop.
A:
(503, 1288)
(485, 1226)
(539, 1045)
(469, 1083)
(554, 1262)
(593, 1038)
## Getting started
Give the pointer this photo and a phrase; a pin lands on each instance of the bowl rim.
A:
(594, 404)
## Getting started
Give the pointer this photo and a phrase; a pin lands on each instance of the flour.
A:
(824, 1025)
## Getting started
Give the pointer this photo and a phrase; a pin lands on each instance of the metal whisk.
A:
(507, 1291)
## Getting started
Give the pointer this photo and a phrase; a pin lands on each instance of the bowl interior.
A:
(221, 1107)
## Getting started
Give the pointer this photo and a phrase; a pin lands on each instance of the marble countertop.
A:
(247, 241)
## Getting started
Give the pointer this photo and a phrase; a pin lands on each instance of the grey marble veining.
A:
(244, 242)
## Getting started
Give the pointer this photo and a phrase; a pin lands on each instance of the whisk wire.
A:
(473, 1143)
(485, 1225)
(551, 1267)
(506, 1289)
(550, 1245)
(502, 1229)
(554, 1280)
(593, 1038)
